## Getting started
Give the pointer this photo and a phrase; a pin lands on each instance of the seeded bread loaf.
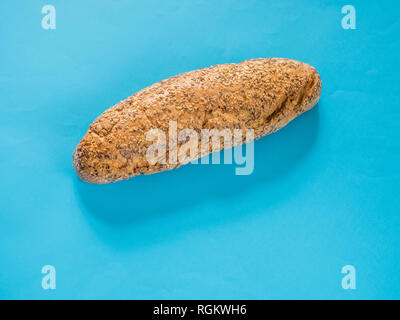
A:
(259, 94)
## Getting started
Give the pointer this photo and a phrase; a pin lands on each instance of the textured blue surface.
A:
(325, 188)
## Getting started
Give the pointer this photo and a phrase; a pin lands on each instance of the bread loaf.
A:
(259, 94)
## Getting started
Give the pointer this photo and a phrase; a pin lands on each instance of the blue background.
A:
(325, 188)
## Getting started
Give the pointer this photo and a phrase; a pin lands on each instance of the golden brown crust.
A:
(259, 94)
